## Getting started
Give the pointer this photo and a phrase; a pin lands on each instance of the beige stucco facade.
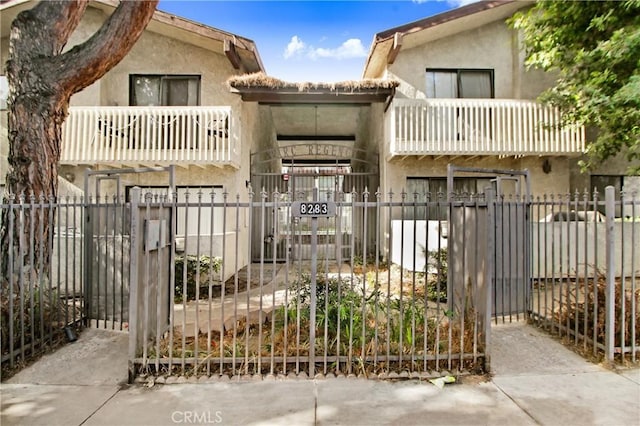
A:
(492, 46)
(458, 44)
(159, 54)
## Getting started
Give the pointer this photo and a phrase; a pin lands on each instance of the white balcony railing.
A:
(479, 127)
(150, 136)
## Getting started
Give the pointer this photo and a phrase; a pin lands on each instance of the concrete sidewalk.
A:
(536, 381)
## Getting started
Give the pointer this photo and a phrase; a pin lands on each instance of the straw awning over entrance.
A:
(258, 87)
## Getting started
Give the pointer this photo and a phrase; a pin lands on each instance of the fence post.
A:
(87, 272)
(609, 300)
(133, 279)
(489, 275)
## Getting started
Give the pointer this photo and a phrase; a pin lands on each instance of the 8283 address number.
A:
(313, 209)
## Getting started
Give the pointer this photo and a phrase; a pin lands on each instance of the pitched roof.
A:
(387, 44)
(241, 51)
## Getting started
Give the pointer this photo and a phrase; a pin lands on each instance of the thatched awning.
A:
(258, 87)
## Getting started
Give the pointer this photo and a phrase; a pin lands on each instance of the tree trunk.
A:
(41, 81)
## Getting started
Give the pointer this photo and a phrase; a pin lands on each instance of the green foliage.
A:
(595, 49)
(33, 313)
(199, 269)
(437, 270)
(341, 308)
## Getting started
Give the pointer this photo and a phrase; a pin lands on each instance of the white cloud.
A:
(351, 48)
(295, 47)
(460, 3)
(452, 3)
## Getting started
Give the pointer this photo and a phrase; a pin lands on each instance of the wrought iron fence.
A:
(392, 285)
(346, 310)
(42, 291)
(585, 271)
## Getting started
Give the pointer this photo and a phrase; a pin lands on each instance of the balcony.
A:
(501, 127)
(150, 136)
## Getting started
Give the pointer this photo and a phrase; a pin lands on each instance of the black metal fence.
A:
(585, 271)
(42, 284)
(391, 285)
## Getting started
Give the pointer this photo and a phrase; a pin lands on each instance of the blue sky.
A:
(322, 41)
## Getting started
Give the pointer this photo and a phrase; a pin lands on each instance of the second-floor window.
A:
(459, 83)
(164, 90)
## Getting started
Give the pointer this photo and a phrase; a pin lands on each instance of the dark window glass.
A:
(165, 90)
(455, 83)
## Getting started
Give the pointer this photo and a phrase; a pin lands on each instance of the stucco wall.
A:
(617, 165)
(262, 138)
(492, 46)
(556, 181)
(154, 54)
(489, 46)
(158, 54)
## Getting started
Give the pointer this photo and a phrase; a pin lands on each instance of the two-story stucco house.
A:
(167, 103)
(466, 97)
(449, 89)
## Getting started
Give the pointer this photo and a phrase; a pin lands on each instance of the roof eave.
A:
(383, 42)
(250, 60)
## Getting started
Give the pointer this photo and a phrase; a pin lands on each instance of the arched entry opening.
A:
(338, 172)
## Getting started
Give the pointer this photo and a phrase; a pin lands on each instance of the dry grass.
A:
(261, 80)
(584, 300)
(444, 335)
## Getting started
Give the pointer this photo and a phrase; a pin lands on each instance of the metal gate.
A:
(336, 179)
(333, 314)
(107, 248)
(283, 232)
(501, 223)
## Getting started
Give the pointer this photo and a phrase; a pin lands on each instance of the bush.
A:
(341, 308)
(437, 270)
(204, 266)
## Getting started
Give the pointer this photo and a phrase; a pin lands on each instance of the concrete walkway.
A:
(536, 381)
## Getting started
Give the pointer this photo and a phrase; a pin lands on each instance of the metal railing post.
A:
(133, 279)
(313, 296)
(610, 274)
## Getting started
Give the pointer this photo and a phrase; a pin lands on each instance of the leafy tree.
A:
(42, 77)
(594, 46)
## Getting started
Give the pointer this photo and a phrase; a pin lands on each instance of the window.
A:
(192, 212)
(164, 90)
(171, 132)
(434, 190)
(460, 83)
(600, 182)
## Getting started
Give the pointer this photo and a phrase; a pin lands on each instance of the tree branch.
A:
(55, 21)
(89, 61)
